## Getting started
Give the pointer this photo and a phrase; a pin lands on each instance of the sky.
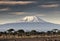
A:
(13, 10)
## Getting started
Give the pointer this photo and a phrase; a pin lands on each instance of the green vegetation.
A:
(20, 33)
(32, 32)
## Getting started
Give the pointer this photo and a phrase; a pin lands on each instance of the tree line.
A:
(21, 32)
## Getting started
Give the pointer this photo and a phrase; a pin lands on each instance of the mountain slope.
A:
(31, 23)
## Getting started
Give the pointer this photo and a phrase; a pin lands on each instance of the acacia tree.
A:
(49, 32)
(10, 31)
(33, 32)
(20, 32)
(54, 31)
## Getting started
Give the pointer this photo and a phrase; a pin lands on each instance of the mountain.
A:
(31, 19)
(30, 23)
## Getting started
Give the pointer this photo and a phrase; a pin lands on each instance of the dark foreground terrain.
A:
(34, 39)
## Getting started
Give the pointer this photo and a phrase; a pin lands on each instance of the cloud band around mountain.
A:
(49, 6)
(17, 2)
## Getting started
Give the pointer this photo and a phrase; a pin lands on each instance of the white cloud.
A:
(18, 13)
(17, 2)
(49, 6)
(4, 9)
(26, 14)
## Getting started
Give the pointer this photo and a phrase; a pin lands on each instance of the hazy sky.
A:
(14, 10)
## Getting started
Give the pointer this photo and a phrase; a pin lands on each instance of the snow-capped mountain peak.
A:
(28, 18)
(32, 19)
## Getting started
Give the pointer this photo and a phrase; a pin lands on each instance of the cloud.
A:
(4, 9)
(17, 13)
(26, 14)
(49, 6)
(17, 2)
(55, 13)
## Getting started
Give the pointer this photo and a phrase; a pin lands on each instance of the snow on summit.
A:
(32, 19)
